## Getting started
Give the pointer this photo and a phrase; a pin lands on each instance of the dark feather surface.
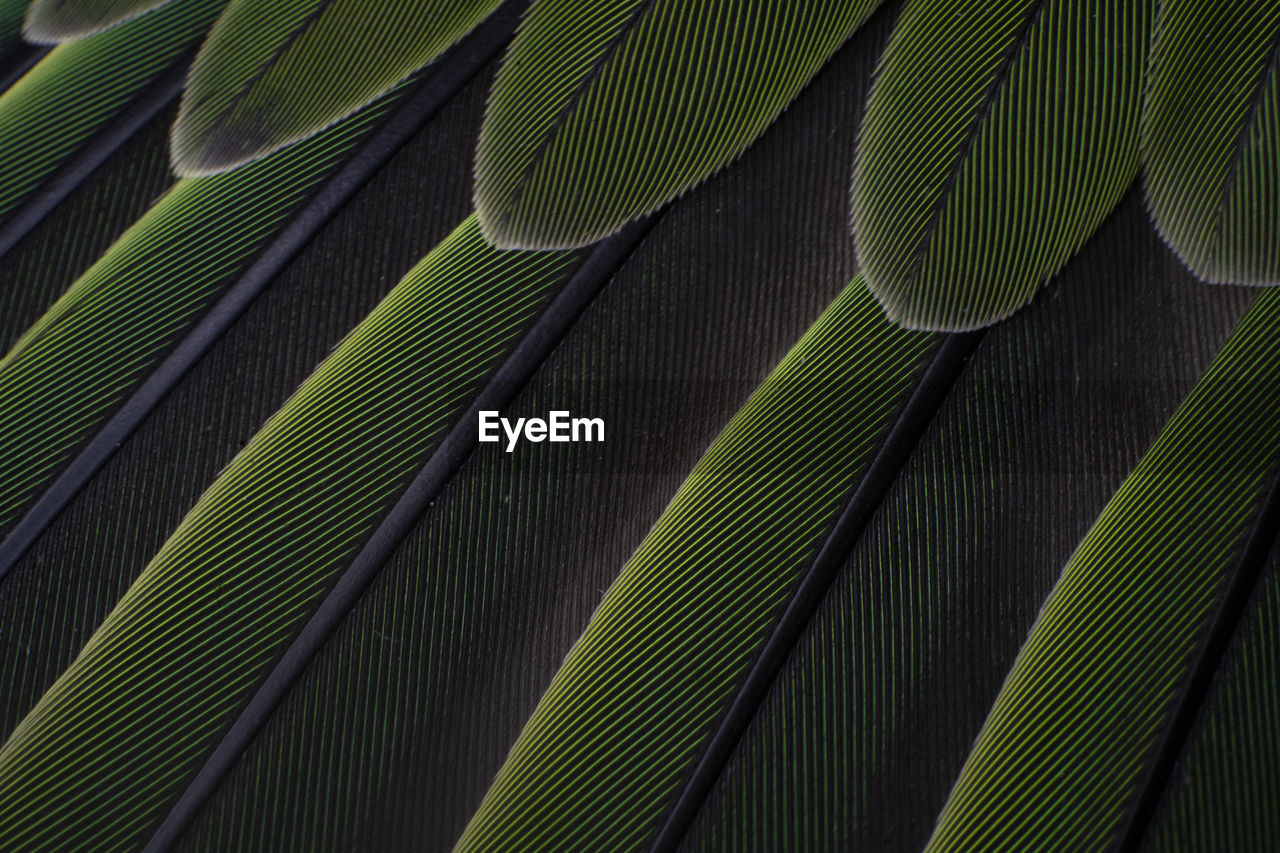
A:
(11, 14)
(1223, 792)
(139, 301)
(48, 259)
(420, 693)
(99, 545)
(356, 628)
(1090, 710)
(874, 714)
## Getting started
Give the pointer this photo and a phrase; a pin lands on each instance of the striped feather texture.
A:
(102, 339)
(45, 261)
(169, 667)
(997, 138)
(272, 73)
(871, 719)
(1067, 749)
(1223, 793)
(78, 89)
(78, 568)
(605, 754)
(53, 21)
(328, 633)
(393, 734)
(1210, 131)
(602, 113)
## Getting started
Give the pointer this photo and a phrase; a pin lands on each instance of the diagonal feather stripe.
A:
(1110, 658)
(272, 73)
(1214, 193)
(638, 100)
(934, 502)
(54, 21)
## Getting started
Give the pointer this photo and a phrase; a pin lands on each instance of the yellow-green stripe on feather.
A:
(110, 746)
(74, 367)
(603, 112)
(79, 88)
(997, 137)
(1060, 760)
(1211, 135)
(1223, 794)
(273, 72)
(628, 715)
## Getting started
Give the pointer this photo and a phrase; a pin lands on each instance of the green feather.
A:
(627, 716)
(1211, 134)
(397, 755)
(800, 651)
(82, 227)
(1063, 754)
(104, 336)
(601, 113)
(273, 72)
(253, 556)
(614, 745)
(873, 715)
(79, 88)
(1223, 793)
(997, 138)
(406, 761)
(54, 21)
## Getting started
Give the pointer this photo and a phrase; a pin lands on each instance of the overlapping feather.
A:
(873, 715)
(399, 755)
(997, 138)
(76, 570)
(626, 719)
(78, 89)
(250, 561)
(54, 21)
(602, 113)
(73, 369)
(1067, 748)
(1223, 791)
(272, 73)
(1210, 130)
